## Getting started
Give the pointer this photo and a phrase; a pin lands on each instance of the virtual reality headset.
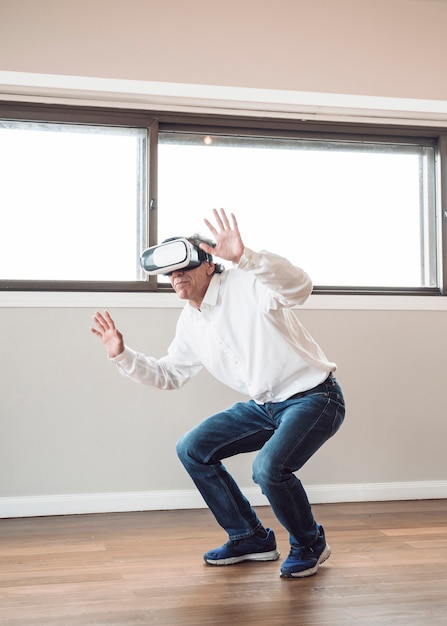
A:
(173, 254)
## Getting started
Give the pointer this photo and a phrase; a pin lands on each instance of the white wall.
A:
(74, 435)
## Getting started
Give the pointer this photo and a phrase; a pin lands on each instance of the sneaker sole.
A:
(312, 570)
(273, 555)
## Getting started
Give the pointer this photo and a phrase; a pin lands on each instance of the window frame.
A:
(241, 125)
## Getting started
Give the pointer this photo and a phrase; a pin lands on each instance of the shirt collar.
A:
(212, 292)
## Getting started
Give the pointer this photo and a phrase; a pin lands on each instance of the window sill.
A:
(101, 300)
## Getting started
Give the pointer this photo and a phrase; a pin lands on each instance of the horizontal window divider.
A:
(46, 286)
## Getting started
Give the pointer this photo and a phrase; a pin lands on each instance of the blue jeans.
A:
(286, 434)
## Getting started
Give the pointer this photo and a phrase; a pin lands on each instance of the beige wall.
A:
(368, 47)
(70, 425)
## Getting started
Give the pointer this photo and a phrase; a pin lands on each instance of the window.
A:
(354, 214)
(71, 202)
(83, 192)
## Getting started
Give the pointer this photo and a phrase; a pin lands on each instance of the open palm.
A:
(110, 336)
(229, 244)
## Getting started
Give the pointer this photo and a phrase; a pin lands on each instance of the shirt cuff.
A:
(248, 260)
(125, 359)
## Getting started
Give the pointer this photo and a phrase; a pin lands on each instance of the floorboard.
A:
(388, 567)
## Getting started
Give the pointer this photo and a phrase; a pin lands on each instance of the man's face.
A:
(192, 284)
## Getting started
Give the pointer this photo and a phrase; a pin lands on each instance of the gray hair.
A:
(196, 240)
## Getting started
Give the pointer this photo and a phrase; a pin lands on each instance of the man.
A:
(240, 326)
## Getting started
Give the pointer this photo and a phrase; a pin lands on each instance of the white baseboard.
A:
(75, 504)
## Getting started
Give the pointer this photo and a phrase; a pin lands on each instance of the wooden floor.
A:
(388, 567)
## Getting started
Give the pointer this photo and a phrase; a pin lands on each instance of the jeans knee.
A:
(182, 447)
(190, 448)
(262, 471)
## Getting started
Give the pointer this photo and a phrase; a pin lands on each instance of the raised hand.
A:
(229, 244)
(110, 336)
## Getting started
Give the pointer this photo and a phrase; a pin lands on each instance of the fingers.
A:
(235, 224)
(110, 321)
(99, 320)
(104, 322)
(107, 332)
(210, 226)
(206, 248)
(222, 221)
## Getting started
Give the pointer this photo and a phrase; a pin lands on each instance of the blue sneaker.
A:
(303, 562)
(250, 549)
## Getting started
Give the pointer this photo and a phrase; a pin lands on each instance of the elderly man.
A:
(239, 325)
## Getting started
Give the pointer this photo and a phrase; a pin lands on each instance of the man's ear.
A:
(210, 269)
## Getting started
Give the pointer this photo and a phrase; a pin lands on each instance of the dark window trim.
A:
(164, 121)
(195, 122)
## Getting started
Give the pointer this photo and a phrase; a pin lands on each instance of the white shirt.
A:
(245, 334)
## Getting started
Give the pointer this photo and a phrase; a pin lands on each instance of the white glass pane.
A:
(69, 202)
(349, 215)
